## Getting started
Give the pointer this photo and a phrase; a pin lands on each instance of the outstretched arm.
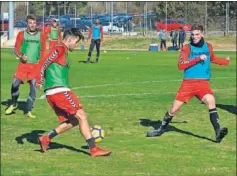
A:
(183, 62)
(217, 60)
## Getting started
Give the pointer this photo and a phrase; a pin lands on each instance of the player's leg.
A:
(16, 82)
(183, 95)
(182, 43)
(167, 119)
(61, 128)
(95, 151)
(209, 100)
(165, 44)
(92, 45)
(97, 50)
(161, 45)
(31, 98)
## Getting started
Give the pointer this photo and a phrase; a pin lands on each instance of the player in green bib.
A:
(28, 47)
(53, 76)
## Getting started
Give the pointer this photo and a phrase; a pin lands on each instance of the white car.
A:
(107, 27)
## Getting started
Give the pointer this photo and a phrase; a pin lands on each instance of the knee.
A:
(81, 115)
(209, 100)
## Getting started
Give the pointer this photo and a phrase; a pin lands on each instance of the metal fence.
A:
(145, 15)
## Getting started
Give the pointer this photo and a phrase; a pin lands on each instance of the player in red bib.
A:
(54, 75)
(28, 47)
(195, 59)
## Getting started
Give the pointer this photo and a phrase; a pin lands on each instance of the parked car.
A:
(20, 24)
(66, 24)
(172, 24)
(107, 27)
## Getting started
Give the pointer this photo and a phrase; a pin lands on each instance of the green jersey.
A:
(56, 75)
(31, 46)
(54, 33)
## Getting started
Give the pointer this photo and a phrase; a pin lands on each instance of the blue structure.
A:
(153, 47)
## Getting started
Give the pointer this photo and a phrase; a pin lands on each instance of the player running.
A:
(195, 59)
(28, 47)
(54, 75)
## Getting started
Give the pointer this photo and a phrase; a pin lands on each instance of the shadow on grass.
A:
(230, 108)
(85, 62)
(22, 105)
(33, 136)
(157, 124)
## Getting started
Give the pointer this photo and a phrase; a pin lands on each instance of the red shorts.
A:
(26, 71)
(191, 88)
(64, 104)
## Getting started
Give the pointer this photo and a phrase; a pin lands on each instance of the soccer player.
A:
(28, 48)
(96, 35)
(162, 37)
(54, 75)
(174, 36)
(195, 59)
(182, 36)
(53, 33)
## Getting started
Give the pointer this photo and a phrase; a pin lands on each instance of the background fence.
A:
(218, 18)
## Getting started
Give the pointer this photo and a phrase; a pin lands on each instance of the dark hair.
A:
(30, 17)
(75, 32)
(197, 27)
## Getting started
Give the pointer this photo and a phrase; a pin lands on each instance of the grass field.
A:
(126, 93)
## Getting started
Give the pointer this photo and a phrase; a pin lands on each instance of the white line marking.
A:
(127, 83)
(138, 82)
(129, 94)
(142, 94)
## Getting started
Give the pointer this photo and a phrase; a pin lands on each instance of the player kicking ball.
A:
(195, 59)
(54, 75)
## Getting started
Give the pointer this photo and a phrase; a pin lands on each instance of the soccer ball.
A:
(98, 133)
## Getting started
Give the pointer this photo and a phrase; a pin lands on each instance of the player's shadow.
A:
(85, 62)
(22, 105)
(157, 124)
(33, 136)
(230, 108)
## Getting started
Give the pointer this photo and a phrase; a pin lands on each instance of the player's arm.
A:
(215, 59)
(90, 33)
(45, 63)
(183, 62)
(101, 33)
(43, 39)
(19, 41)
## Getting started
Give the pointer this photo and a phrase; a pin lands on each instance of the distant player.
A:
(54, 75)
(53, 33)
(182, 36)
(28, 47)
(195, 59)
(96, 34)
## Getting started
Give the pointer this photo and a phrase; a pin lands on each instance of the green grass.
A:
(122, 89)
